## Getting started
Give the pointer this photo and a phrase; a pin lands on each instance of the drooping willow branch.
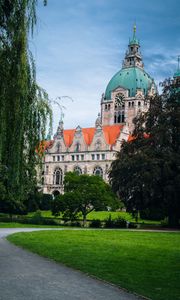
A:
(24, 107)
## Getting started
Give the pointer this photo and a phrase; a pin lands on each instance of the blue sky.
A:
(79, 45)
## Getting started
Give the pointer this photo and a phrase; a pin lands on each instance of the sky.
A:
(78, 45)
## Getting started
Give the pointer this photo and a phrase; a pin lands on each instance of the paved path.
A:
(27, 276)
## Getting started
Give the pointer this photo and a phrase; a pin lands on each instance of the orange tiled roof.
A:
(43, 146)
(111, 133)
(88, 134)
(69, 136)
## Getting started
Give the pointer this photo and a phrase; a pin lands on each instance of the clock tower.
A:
(127, 91)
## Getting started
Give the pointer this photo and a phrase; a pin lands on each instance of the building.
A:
(92, 150)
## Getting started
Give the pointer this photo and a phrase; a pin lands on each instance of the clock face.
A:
(119, 99)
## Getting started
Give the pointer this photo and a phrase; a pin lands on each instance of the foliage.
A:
(146, 172)
(38, 201)
(24, 106)
(115, 223)
(83, 194)
(95, 223)
(141, 262)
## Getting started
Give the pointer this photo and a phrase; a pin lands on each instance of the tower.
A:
(127, 91)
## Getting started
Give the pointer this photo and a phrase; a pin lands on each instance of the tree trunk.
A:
(84, 220)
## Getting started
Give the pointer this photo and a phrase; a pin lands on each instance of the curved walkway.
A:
(27, 276)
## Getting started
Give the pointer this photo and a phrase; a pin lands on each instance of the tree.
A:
(83, 194)
(146, 172)
(24, 106)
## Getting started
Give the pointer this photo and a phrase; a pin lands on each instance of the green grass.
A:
(147, 263)
(102, 215)
(20, 225)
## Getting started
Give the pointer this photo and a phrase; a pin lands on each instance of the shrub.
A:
(109, 223)
(95, 223)
(75, 224)
(116, 223)
(120, 223)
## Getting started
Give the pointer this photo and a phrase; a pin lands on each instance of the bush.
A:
(95, 223)
(109, 223)
(116, 223)
(120, 223)
(75, 224)
(39, 201)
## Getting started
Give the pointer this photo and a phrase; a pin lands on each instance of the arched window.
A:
(58, 177)
(77, 170)
(119, 117)
(98, 171)
(77, 147)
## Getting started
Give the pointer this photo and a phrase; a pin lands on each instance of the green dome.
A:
(177, 74)
(129, 78)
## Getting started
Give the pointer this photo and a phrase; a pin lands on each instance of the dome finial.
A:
(134, 30)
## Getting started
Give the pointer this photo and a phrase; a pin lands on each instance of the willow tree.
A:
(24, 107)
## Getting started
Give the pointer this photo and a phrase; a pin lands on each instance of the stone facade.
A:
(92, 150)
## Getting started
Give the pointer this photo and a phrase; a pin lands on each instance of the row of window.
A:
(80, 157)
(130, 104)
(58, 174)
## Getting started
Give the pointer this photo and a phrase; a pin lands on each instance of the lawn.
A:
(21, 225)
(103, 215)
(147, 263)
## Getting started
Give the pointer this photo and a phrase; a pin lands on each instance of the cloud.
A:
(80, 45)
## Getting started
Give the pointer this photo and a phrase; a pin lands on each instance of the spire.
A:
(133, 56)
(134, 40)
(134, 32)
(60, 129)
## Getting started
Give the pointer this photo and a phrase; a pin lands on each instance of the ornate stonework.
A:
(92, 150)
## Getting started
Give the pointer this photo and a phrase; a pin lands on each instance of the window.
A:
(58, 158)
(92, 155)
(82, 157)
(106, 106)
(47, 169)
(139, 103)
(119, 117)
(53, 158)
(72, 156)
(62, 157)
(78, 170)
(133, 104)
(109, 106)
(103, 156)
(58, 177)
(77, 157)
(98, 156)
(129, 104)
(98, 171)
